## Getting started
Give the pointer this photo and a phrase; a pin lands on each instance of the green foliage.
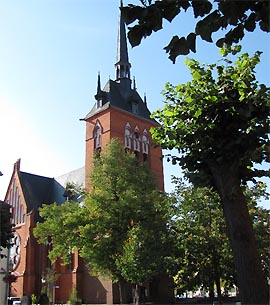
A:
(61, 226)
(201, 236)
(219, 123)
(6, 234)
(74, 192)
(122, 208)
(124, 197)
(34, 299)
(49, 278)
(73, 299)
(261, 221)
(202, 239)
(237, 16)
(222, 115)
(147, 246)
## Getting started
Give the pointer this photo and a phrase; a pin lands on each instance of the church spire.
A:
(122, 65)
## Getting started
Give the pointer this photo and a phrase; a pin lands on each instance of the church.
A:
(118, 111)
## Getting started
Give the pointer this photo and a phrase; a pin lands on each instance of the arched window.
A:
(136, 139)
(128, 136)
(145, 145)
(15, 202)
(97, 136)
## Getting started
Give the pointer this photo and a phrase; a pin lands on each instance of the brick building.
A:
(120, 112)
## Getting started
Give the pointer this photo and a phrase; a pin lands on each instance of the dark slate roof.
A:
(120, 95)
(37, 190)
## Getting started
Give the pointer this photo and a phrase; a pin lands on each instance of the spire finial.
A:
(98, 84)
(134, 83)
(98, 96)
(122, 65)
(144, 99)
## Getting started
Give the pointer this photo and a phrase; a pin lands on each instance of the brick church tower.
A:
(120, 112)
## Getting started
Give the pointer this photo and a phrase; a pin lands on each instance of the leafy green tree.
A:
(113, 228)
(6, 234)
(236, 16)
(219, 123)
(147, 247)
(201, 235)
(125, 209)
(59, 222)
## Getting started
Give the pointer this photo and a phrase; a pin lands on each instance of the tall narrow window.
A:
(136, 139)
(128, 136)
(145, 145)
(97, 136)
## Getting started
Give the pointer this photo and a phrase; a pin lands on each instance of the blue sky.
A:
(50, 55)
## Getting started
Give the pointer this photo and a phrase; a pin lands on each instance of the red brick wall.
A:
(113, 122)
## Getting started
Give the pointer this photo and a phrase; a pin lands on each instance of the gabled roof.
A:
(37, 190)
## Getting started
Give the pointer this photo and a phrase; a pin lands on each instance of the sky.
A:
(50, 54)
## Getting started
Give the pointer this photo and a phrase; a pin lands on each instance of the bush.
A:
(34, 299)
(73, 299)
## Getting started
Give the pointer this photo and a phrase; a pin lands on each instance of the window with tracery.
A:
(97, 136)
(18, 215)
(145, 145)
(136, 139)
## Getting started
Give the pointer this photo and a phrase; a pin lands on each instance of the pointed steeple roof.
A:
(122, 62)
(120, 93)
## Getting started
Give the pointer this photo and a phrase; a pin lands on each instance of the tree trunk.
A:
(122, 291)
(211, 292)
(136, 300)
(251, 282)
(217, 280)
(216, 265)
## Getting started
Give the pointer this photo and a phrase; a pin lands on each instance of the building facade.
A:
(118, 112)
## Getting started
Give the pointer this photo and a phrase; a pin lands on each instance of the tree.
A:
(49, 278)
(113, 228)
(202, 239)
(201, 234)
(237, 16)
(6, 233)
(219, 122)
